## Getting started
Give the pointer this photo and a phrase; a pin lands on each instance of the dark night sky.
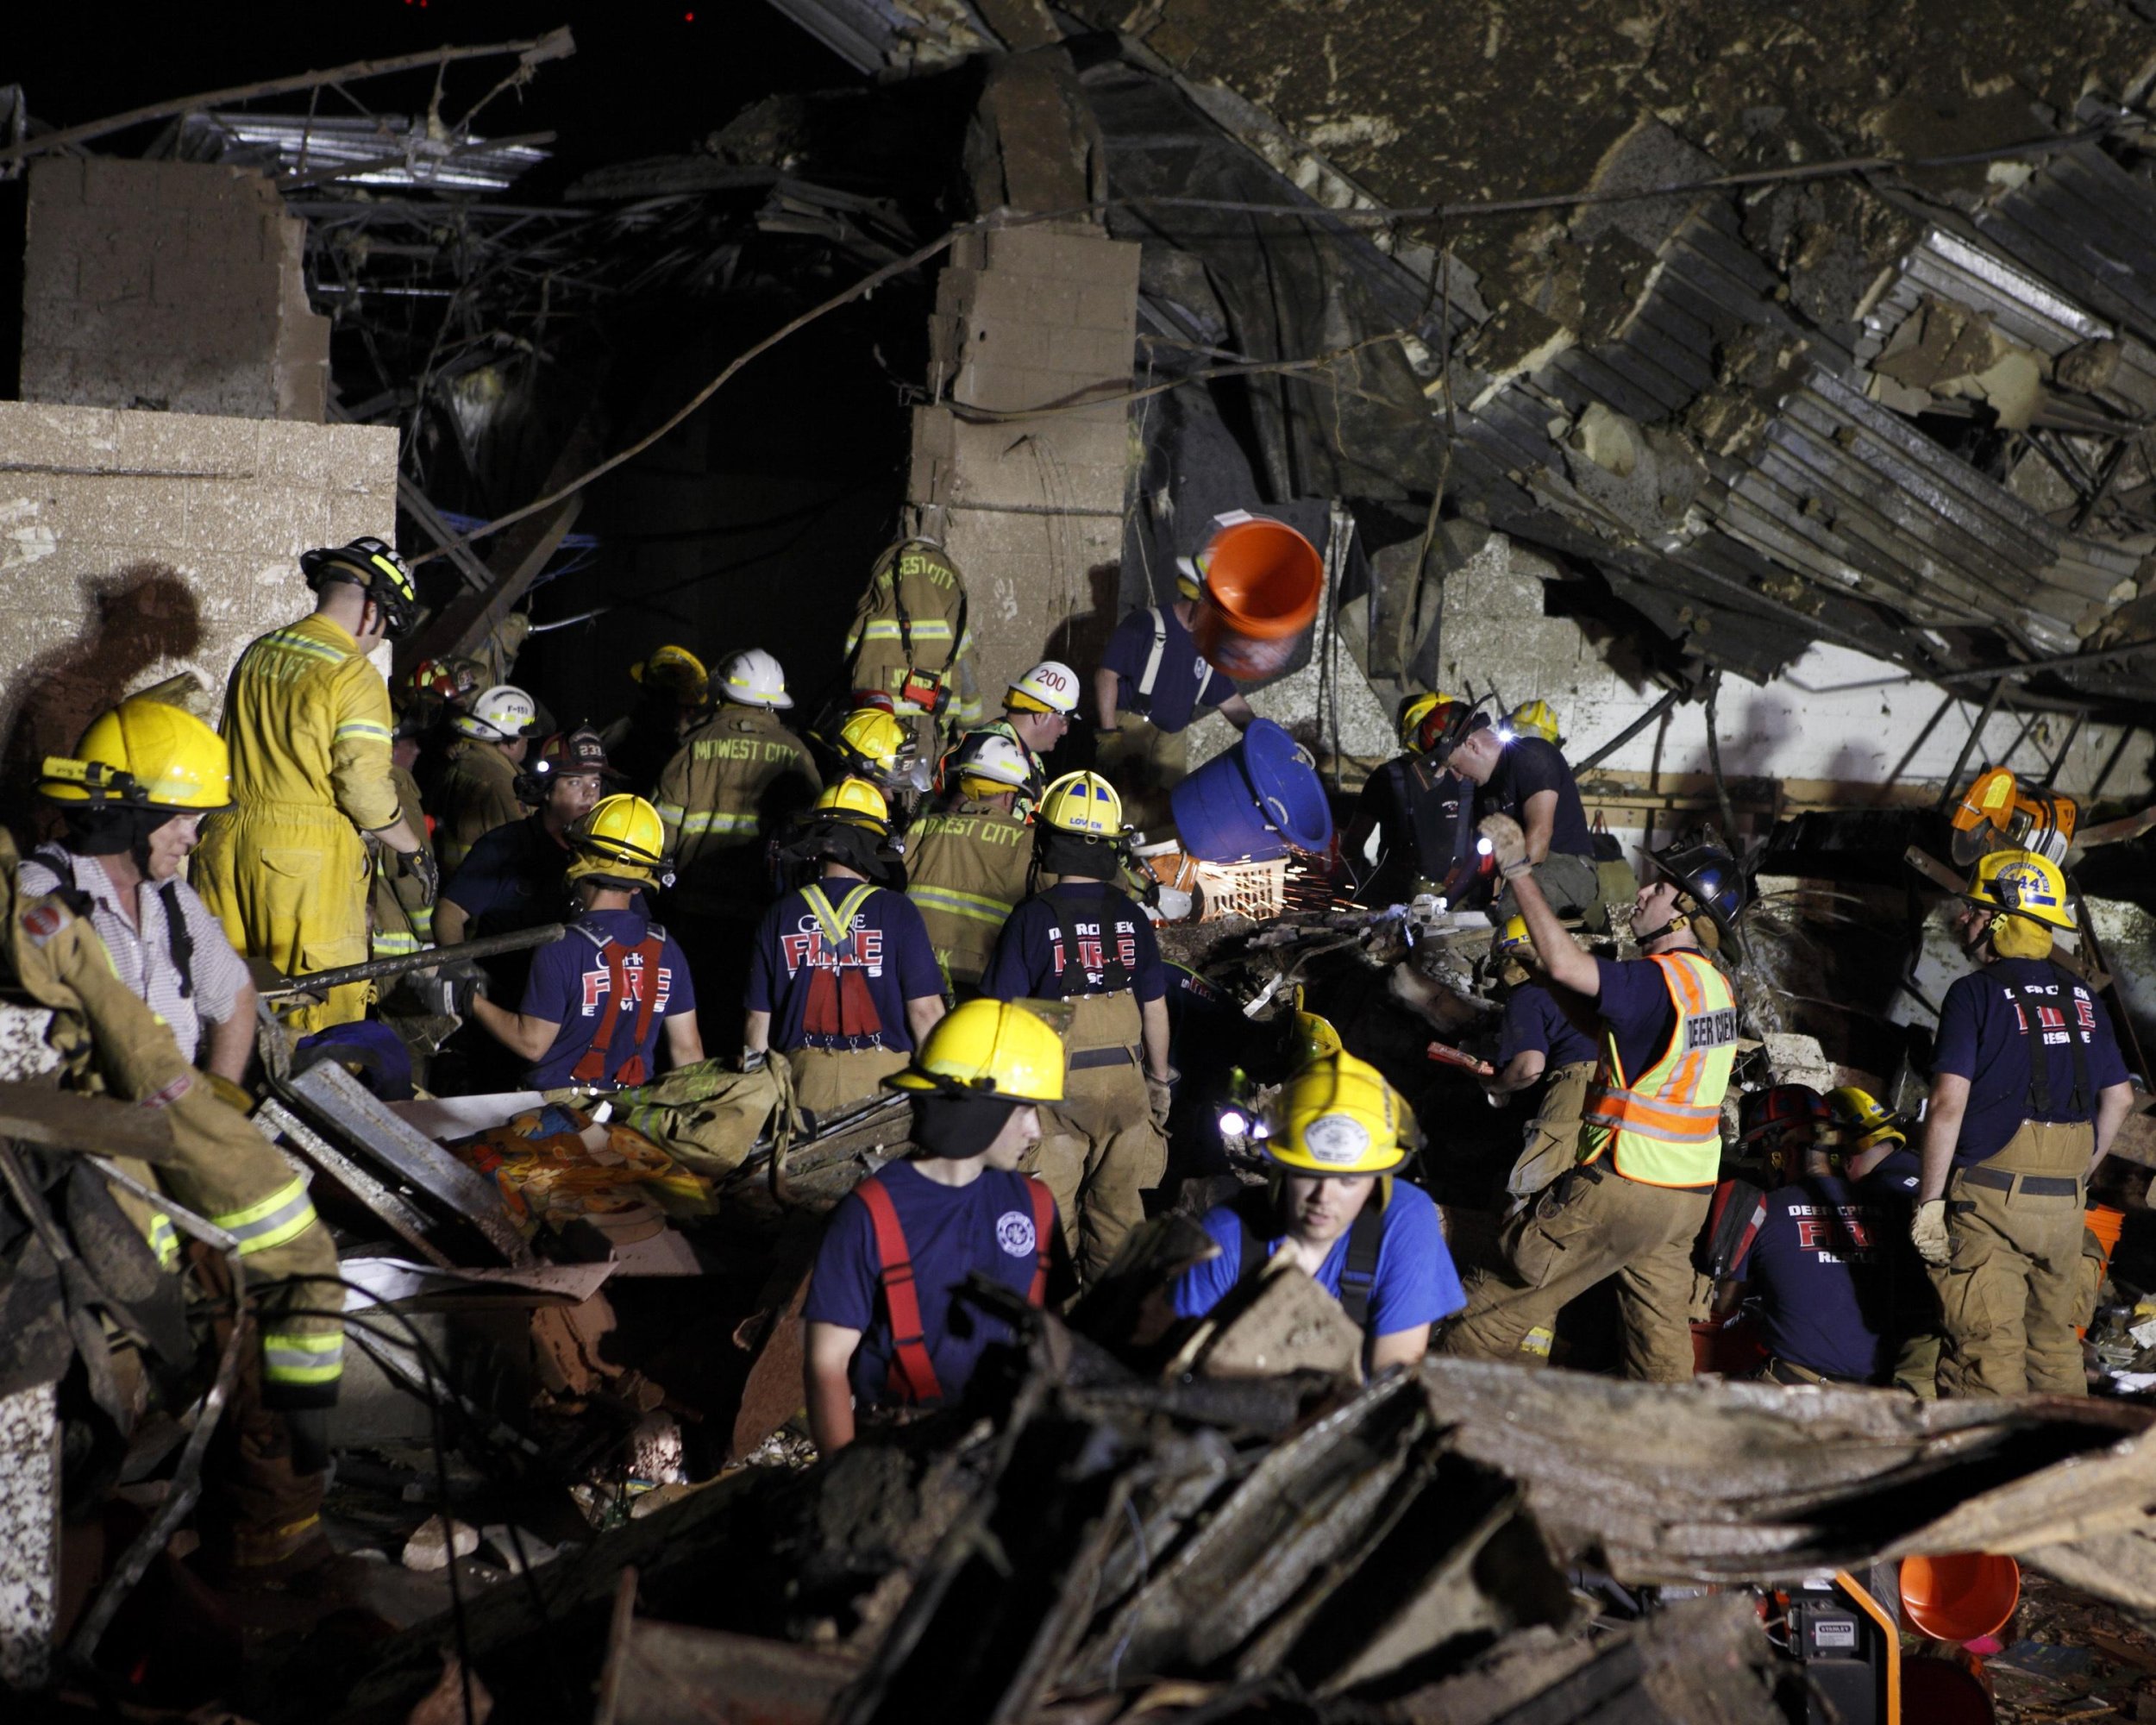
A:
(646, 79)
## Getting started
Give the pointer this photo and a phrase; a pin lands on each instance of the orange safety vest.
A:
(1662, 1127)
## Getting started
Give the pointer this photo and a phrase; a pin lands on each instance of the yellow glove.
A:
(1927, 1234)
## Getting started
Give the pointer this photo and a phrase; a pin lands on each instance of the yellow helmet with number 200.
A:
(988, 1048)
(1336, 1116)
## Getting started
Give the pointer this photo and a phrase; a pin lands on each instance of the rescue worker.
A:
(880, 1337)
(1820, 1262)
(2028, 1091)
(477, 791)
(133, 797)
(515, 877)
(1150, 686)
(1422, 812)
(1080, 938)
(672, 689)
(1877, 1157)
(308, 725)
(1526, 778)
(1036, 711)
(910, 643)
(873, 745)
(1540, 1042)
(966, 863)
(267, 1462)
(400, 911)
(1651, 1151)
(1332, 1208)
(432, 693)
(842, 978)
(592, 1006)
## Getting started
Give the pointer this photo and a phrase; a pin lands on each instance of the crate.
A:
(1256, 890)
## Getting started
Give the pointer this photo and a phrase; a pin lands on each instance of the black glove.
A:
(310, 1429)
(420, 864)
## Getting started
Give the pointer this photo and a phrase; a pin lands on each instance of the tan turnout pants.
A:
(828, 1080)
(1554, 1136)
(2008, 1297)
(1591, 1225)
(1098, 1152)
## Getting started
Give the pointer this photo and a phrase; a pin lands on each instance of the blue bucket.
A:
(1250, 804)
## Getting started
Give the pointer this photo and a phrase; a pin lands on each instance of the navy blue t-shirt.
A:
(1824, 1270)
(1414, 1281)
(1529, 766)
(950, 1232)
(1184, 684)
(571, 982)
(1982, 1038)
(1897, 1175)
(1426, 829)
(1534, 1021)
(1059, 942)
(1635, 1004)
(844, 993)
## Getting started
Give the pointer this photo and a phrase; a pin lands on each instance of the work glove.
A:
(455, 983)
(420, 864)
(1508, 844)
(1159, 1096)
(1927, 1234)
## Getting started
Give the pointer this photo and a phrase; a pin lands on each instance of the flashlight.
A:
(1233, 1124)
(1483, 847)
(1504, 733)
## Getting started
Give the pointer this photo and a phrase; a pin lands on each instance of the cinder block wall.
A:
(168, 285)
(136, 546)
(1031, 509)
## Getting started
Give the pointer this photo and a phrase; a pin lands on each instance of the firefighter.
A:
(672, 689)
(880, 1337)
(477, 791)
(1332, 1206)
(873, 745)
(267, 1463)
(594, 1002)
(1523, 775)
(738, 781)
(1150, 686)
(2028, 1091)
(308, 724)
(910, 643)
(842, 978)
(399, 912)
(1876, 1156)
(133, 797)
(966, 863)
(1036, 711)
(1081, 939)
(1651, 1151)
(1541, 1041)
(1421, 811)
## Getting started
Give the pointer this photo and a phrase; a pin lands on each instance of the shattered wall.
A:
(134, 547)
(168, 285)
(1030, 507)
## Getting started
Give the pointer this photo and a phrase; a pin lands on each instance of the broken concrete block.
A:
(514, 1549)
(1292, 1325)
(432, 1543)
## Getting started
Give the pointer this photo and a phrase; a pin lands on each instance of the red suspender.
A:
(1044, 1223)
(591, 1069)
(913, 1373)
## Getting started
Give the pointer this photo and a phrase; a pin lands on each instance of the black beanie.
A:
(952, 1126)
(1073, 853)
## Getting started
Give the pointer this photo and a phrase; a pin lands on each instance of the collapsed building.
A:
(1776, 412)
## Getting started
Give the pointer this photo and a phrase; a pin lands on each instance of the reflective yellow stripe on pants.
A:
(282, 1216)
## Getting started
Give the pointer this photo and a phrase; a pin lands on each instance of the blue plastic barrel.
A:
(1250, 804)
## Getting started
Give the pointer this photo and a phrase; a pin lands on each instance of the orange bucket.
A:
(2106, 1223)
(1960, 1596)
(1263, 581)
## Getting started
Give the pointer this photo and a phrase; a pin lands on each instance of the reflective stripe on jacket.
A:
(966, 868)
(1663, 1125)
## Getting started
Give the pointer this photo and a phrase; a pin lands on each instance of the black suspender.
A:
(1359, 1275)
(2031, 1009)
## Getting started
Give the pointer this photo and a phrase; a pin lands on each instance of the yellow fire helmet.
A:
(1083, 803)
(1868, 1121)
(988, 1048)
(144, 754)
(871, 741)
(620, 842)
(856, 802)
(2023, 883)
(676, 670)
(1414, 713)
(1513, 940)
(1337, 1115)
(1535, 718)
(1315, 1039)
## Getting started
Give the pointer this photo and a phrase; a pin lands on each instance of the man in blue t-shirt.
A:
(885, 1327)
(1541, 1042)
(1149, 685)
(1334, 1210)
(843, 978)
(1082, 940)
(1528, 778)
(2028, 1091)
(595, 1001)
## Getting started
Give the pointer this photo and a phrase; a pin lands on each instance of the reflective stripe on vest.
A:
(913, 1380)
(837, 924)
(1663, 1126)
